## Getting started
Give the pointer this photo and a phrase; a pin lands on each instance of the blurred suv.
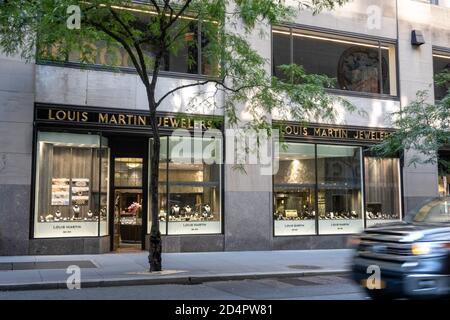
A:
(408, 259)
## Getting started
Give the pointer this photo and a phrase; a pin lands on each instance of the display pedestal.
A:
(131, 233)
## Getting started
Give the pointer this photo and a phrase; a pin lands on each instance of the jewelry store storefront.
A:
(91, 183)
(92, 171)
(329, 184)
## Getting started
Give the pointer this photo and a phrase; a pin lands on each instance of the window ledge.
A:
(379, 96)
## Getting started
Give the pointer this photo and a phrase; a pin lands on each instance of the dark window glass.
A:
(281, 51)
(444, 172)
(362, 66)
(185, 57)
(441, 63)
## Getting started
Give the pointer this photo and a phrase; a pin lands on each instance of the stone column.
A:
(248, 196)
(16, 135)
(420, 182)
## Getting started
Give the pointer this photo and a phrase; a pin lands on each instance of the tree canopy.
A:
(421, 127)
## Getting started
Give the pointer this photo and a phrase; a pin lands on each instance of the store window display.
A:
(294, 191)
(382, 190)
(339, 177)
(444, 173)
(71, 185)
(318, 185)
(189, 186)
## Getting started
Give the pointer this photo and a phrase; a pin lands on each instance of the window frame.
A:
(349, 36)
(439, 52)
(166, 184)
(130, 70)
(35, 179)
(363, 155)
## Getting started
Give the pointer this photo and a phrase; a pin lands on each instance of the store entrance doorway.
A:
(128, 219)
(129, 208)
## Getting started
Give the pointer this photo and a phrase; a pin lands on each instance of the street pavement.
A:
(125, 269)
(329, 287)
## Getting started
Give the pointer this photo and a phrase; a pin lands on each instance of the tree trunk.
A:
(155, 246)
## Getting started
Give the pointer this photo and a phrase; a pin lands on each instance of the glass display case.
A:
(294, 191)
(189, 186)
(71, 185)
(339, 178)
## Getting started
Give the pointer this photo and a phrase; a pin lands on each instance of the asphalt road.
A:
(309, 288)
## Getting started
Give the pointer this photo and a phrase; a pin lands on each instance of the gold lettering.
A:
(50, 116)
(84, 117)
(113, 119)
(288, 130)
(174, 122)
(344, 134)
(103, 118)
(71, 115)
(331, 132)
(142, 120)
(317, 131)
(305, 131)
(122, 119)
(60, 115)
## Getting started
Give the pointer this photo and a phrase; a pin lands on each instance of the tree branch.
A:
(202, 83)
(123, 43)
(179, 13)
(124, 26)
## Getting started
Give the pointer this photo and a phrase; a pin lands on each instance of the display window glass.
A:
(318, 190)
(444, 173)
(189, 186)
(339, 182)
(359, 65)
(382, 190)
(294, 191)
(71, 191)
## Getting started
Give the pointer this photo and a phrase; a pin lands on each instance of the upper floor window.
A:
(441, 62)
(357, 65)
(190, 56)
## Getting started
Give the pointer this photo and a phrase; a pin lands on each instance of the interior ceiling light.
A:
(330, 39)
(133, 165)
(441, 56)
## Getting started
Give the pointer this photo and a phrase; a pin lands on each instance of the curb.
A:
(161, 280)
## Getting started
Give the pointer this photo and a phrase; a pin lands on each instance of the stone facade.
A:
(248, 223)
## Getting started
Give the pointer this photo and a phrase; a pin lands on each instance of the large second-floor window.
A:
(190, 55)
(367, 66)
(441, 63)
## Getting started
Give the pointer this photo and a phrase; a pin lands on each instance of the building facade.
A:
(75, 144)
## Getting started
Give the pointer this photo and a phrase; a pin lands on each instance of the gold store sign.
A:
(123, 119)
(336, 133)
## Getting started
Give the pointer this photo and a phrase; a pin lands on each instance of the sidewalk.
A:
(125, 269)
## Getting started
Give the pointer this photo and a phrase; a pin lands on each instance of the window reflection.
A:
(382, 187)
(357, 65)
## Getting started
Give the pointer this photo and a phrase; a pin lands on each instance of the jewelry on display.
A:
(76, 211)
